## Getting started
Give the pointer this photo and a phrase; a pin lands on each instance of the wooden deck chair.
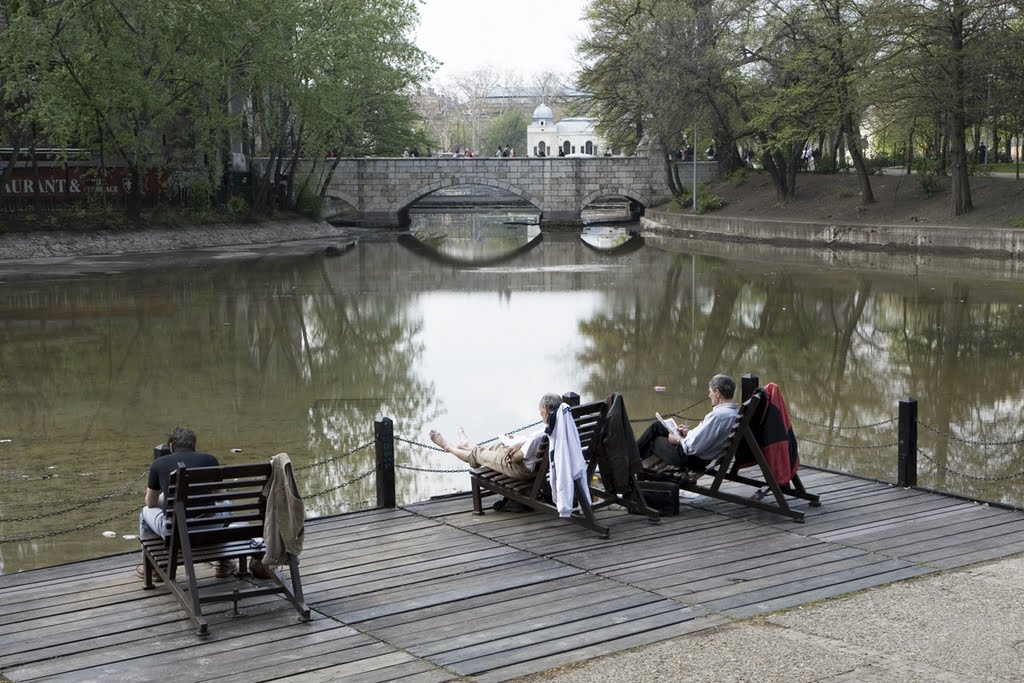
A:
(217, 514)
(740, 451)
(535, 492)
(599, 446)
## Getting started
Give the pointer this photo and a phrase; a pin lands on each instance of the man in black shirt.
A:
(152, 519)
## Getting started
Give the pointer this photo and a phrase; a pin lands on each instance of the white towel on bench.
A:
(566, 457)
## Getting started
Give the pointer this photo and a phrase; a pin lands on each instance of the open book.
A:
(507, 440)
(669, 423)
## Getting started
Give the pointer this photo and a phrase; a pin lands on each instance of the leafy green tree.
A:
(616, 69)
(170, 91)
(22, 54)
(506, 130)
(339, 78)
(934, 48)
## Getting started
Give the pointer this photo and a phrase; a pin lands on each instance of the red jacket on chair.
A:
(774, 433)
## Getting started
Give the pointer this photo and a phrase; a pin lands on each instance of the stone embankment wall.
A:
(55, 244)
(935, 239)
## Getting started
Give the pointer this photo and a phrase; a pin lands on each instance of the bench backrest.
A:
(590, 423)
(737, 442)
(219, 504)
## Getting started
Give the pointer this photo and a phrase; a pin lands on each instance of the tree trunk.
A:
(672, 175)
(910, 151)
(961, 187)
(782, 166)
(833, 154)
(792, 166)
(727, 153)
(852, 131)
(327, 177)
(777, 175)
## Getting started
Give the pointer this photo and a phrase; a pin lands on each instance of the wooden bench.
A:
(535, 492)
(216, 514)
(740, 451)
(592, 424)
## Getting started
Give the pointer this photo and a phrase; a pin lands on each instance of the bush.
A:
(706, 201)
(1017, 222)
(310, 204)
(238, 208)
(927, 176)
(737, 177)
(875, 164)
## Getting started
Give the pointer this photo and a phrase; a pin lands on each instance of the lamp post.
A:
(695, 148)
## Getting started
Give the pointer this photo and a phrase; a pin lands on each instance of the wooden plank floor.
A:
(430, 592)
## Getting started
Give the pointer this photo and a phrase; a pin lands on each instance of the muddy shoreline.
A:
(60, 244)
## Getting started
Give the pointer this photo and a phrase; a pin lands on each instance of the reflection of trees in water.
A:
(265, 356)
(967, 357)
(844, 350)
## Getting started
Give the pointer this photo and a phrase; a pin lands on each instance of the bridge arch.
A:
(336, 194)
(637, 197)
(405, 202)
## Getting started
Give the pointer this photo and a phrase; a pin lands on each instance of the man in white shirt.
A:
(694, 449)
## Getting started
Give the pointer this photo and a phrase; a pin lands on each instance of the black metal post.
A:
(384, 440)
(572, 398)
(748, 383)
(907, 470)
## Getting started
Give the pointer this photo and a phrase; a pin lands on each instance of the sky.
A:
(521, 36)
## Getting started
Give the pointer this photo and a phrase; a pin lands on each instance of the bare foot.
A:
(438, 440)
(463, 439)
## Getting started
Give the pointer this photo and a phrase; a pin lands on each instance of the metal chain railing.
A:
(892, 444)
(362, 476)
(678, 413)
(60, 532)
(335, 458)
(965, 475)
(983, 444)
(123, 490)
(843, 427)
(429, 469)
(429, 447)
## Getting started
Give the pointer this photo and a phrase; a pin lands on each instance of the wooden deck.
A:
(430, 592)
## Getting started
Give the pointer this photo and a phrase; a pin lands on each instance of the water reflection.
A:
(302, 354)
(611, 239)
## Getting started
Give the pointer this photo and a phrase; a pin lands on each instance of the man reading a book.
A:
(694, 449)
(514, 458)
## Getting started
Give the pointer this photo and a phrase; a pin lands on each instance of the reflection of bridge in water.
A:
(552, 261)
(609, 242)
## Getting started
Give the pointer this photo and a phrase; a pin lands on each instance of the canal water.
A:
(467, 323)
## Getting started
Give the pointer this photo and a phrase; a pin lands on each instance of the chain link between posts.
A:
(123, 490)
(964, 475)
(983, 444)
(61, 532)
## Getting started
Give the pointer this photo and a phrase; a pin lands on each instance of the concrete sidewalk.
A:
(962, 626)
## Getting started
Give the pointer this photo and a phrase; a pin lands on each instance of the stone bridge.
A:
(381, 190)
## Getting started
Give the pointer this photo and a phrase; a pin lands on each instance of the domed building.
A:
(575, 135)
